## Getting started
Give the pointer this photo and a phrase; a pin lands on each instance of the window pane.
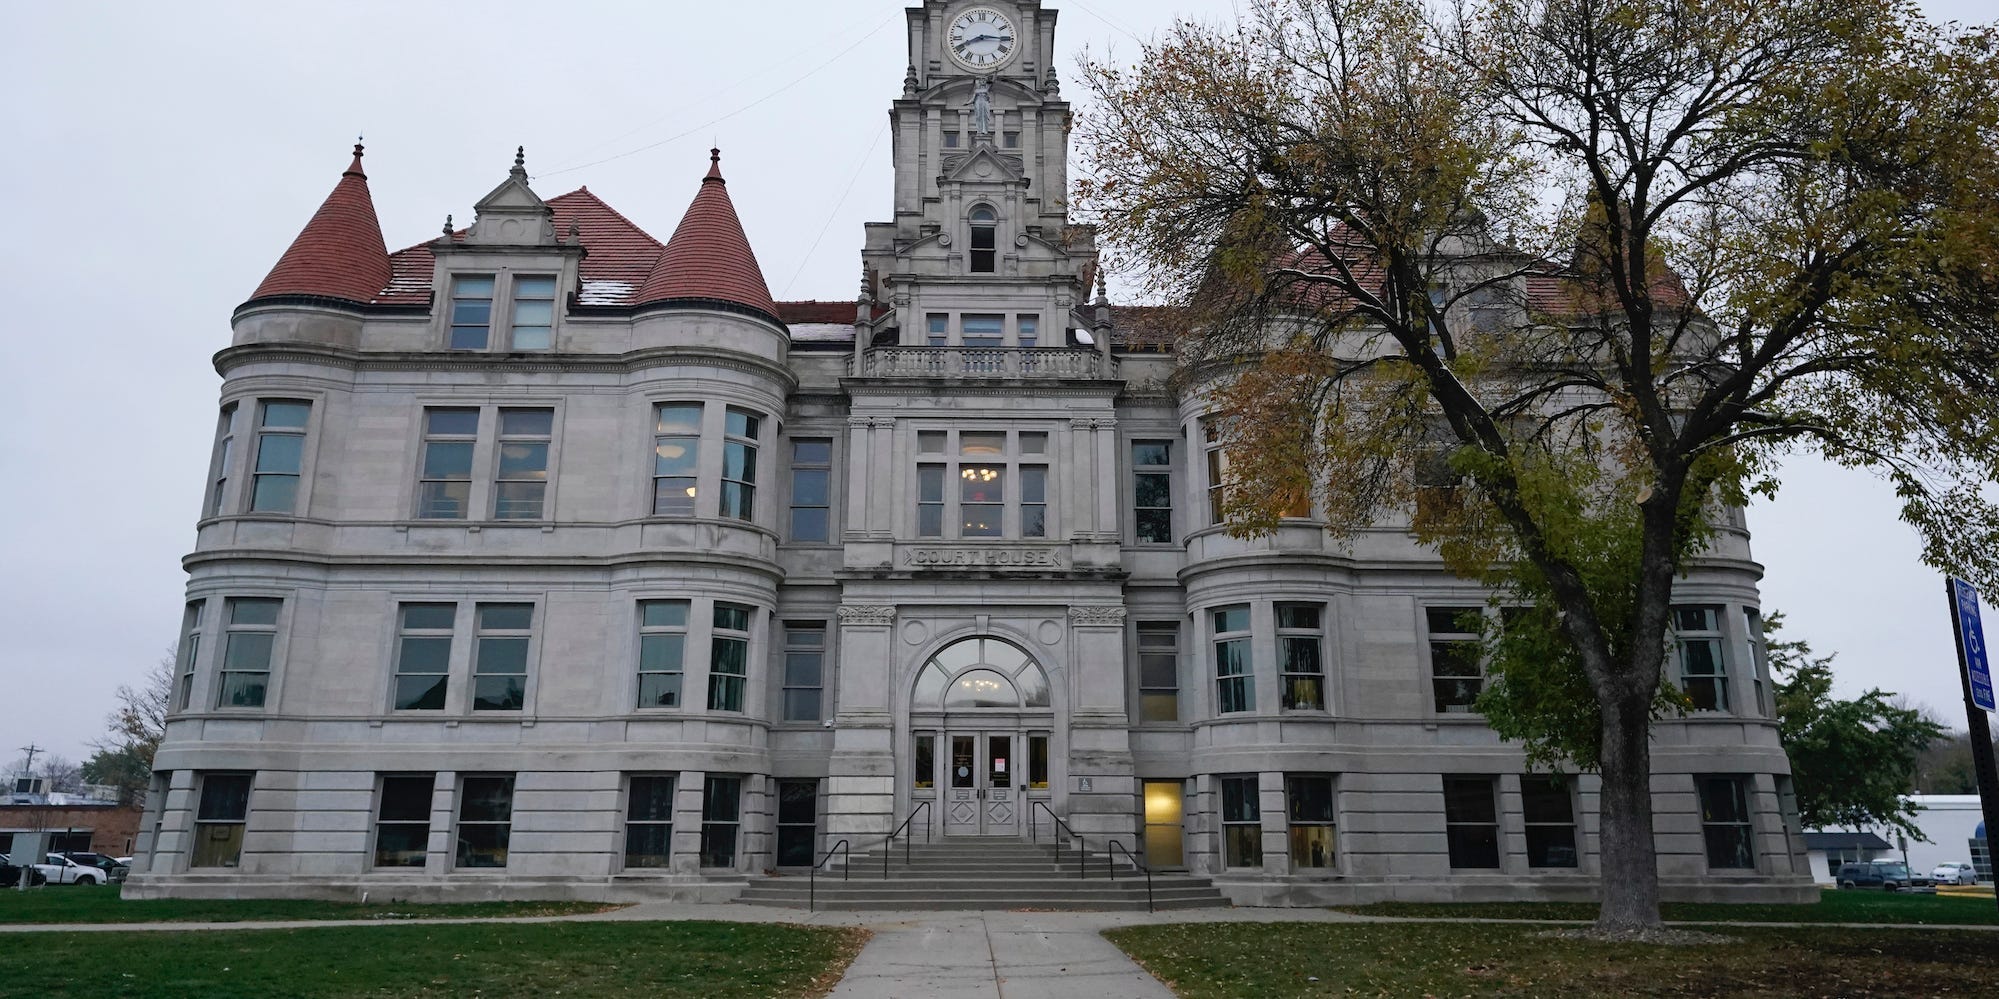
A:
(809, 486)
(679, 420)
(447, 460)
(1231, 619)
(981, 443)
(659, 690)
(809, 524)
(287, 414)
(802, 669)
(812, 452)
(1153, 490)
(733, 617)
(505, 617)
(421, 692)
(407, 798)
(248, 610)
(651, 799)
(280, 453)
(224, 798)
(664, 613)
(1155, 453)
(451, 422)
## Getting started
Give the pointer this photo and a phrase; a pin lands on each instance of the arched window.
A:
(984, 240)
(981, 673)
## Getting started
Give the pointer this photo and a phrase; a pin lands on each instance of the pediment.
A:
(984, 165)
(512, 214)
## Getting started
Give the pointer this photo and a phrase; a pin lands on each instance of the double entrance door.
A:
(982, 784)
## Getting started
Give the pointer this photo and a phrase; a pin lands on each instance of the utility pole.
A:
(1974, 671)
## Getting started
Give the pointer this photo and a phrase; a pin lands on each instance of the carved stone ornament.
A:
(1097, 617)
(863, 614)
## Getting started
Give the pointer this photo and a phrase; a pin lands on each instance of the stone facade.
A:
(567, 564)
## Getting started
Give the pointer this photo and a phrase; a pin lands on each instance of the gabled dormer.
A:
(504, 284)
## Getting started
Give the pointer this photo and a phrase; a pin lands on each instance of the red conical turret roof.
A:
(340, 253)
(708, 258)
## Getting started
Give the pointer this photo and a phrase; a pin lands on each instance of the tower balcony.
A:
(997, 363)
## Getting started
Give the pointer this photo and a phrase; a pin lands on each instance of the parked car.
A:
(114, 871)
(1955, 874)
(10, 874)
(1888, 875)
(64, 871)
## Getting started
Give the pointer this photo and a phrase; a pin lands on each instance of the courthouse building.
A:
(546, 558)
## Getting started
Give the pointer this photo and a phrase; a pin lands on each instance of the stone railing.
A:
(987, 362)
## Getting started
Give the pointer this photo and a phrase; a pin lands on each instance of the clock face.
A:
(982, 38)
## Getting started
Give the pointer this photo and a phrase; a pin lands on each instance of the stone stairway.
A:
(983, 873)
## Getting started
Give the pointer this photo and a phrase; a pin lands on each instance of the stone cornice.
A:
(229, 359)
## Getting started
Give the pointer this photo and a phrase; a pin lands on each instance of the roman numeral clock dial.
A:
(982, 39)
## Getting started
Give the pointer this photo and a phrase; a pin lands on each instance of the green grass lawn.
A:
(101, 904)
(1832, 907)
(1275, 961)
(695, 960)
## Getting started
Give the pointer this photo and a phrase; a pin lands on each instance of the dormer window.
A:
(534, 312)
(530, 306)
(984, 240)
(471, 311)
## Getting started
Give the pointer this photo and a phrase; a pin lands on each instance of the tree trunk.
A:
(1630, 857)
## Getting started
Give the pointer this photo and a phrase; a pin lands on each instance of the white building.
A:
(545, 558)
(1952, 827)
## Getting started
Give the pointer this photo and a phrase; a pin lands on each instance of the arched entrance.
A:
(980, 723)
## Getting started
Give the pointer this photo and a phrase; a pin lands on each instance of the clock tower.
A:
(981, 145)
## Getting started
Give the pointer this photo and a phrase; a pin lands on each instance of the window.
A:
(1437, 482)
(982, 505)
(500, 657)
(662, 641)
(1759, 659)
(739, 464)
(983, 331)
(951, 140)
(219, 820)
(190, 648)
(280, 455)
(804, 670)
(1152, 491)
(471, 311)
(925, 753)
(534, 312)
(981, 673)
(1037, 762)
(225, 443)
(1010, 140)
(1725, 822)
(728, 657)
(485, 820)
(1551, 821)
(1211, 436)
(520, 486)
(247, 647)
(797, 822)
(677, 457)
(444, 489)
(984, 241)
(649, 822)
(1158, 671)
(1308, 800)
(811, 490)
(721, 814)
(1298, 643)
(1235, 687)
(1471, 821)
(939, 329)
(1487, 308)
(1028, 331)
(402, 821)
(1242, 823)
(423, 655)
(1697, 644)
(1456, 677)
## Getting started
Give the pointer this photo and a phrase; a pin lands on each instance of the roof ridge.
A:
(621, 216)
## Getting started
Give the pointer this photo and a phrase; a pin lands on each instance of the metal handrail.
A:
(1112, 867)
(888, 845)
(812, 876)
(1082, 845)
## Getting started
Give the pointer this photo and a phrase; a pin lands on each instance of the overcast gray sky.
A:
(162, 156)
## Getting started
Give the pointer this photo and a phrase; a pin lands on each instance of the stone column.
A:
(1271, 809)
(859, 456)
(439, 846)
(687, 789)
(860, 774)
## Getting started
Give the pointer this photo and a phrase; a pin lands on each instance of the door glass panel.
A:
(1000, 752)
(1162, 824)
(962, 762)
(926, 762)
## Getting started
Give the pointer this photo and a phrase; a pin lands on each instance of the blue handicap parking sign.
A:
(1971, 633)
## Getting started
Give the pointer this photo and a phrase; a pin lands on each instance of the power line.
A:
(718, 120)
(842, 203)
